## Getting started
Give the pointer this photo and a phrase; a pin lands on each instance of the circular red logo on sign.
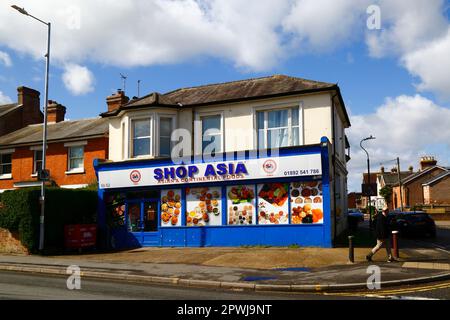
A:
(135, 176)
(269, 166)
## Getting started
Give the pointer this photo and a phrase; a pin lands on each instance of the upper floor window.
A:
(278, 128)
(212, 133)
(5, 164)
(165, 131)
(37, 161)
(141, 137)
(76, 158)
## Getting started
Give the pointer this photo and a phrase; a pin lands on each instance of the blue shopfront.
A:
(234, 199)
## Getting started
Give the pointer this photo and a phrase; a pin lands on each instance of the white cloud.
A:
(405, 127)
(323, 25)
(5, 59)
(4, 99)
(77, 79)
(418, 32)
(432, 64)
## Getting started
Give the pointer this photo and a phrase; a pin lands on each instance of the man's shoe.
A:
(369, 258)
(391, 259)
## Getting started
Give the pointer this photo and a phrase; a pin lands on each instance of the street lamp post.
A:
(43, 174)
(368, 179)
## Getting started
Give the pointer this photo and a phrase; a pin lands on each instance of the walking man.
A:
(383, 236)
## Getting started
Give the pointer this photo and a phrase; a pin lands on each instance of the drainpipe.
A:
(333, 132)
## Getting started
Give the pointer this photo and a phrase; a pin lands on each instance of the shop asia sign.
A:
(211, 170)
(246, 169)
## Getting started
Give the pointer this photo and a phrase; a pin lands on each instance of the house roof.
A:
(391, 178)
(6, 108)
(437, 178)
(373, 177)
(420, 173)
(61, 131)
(227, 92)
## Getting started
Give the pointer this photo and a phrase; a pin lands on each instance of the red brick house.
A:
(72, 148)
(24, 112)
(417, 189)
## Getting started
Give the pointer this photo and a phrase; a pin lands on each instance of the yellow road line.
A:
(388, 292)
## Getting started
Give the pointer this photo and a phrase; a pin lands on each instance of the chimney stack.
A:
(55, 112)
(382, 169)
(427, 162)
(116, 100)
(29, 99)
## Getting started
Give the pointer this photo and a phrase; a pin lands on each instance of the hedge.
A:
(20, 212)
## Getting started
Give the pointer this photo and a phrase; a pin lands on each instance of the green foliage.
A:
(386, 193)
(21, 211)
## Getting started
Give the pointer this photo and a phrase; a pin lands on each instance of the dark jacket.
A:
(381, 227)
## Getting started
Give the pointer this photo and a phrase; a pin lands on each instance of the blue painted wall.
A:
(274, 235)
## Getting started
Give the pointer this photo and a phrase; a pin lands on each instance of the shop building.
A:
(277, 176)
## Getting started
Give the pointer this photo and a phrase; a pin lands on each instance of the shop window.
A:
(5, 164)
(273, 203)
(37, 161)
(76, 158)
(211, 133)
(241, 205)
(306, 202)
(170, 207)
(165, 131)
(278, 128)
(203, 206)
(134, 217)
(141, 137)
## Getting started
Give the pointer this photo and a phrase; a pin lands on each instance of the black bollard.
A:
(351, 253)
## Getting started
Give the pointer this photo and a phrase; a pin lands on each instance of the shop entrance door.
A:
(142, 221)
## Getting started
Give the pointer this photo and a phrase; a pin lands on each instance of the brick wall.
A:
(412, 192)
(10, 243)
(57, 163)
(440, 191)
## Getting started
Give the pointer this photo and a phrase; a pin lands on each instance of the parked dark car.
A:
(414, 223)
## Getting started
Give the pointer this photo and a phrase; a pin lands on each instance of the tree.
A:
(386, 193)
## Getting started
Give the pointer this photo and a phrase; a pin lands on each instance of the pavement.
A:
(248, 268)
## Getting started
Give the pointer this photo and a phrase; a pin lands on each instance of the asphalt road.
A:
(14, 285)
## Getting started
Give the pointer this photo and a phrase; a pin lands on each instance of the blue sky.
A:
(396, 70)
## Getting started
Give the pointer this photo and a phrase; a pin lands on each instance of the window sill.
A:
(5, 176)
(34, 175)
(75, 171)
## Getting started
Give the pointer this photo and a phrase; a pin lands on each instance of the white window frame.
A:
(150, 118)
(35, 151)
(198, 145)
(69, 169)
(173, 124)
(266, 110)
(7, 175)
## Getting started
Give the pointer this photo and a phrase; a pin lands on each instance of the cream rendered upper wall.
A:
(239, 121)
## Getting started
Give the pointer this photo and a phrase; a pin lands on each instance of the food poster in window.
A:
(115, 208)
(273, 203)
(241, 205)
(306, 202)
(170, 207)
(203, 206)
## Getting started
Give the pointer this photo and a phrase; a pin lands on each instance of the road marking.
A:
(389, 292)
